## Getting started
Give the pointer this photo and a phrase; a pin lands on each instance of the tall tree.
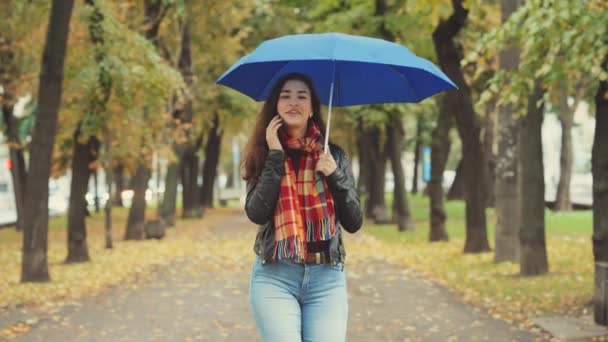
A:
(376, 206)
(417, 152)
(168, 207)
(154, 12)
(401, 206)
(136, 218)
(181, 124)
(83, 156)
(489, 128)
(109, 170)
(599, 170)
(461, 105)
(86, 153)
(440, 149)
(189, 161)
(119, 183)
(394, 141)
(212, 156)
(35, 235)
(533, 249)
(566, 158)
(362, 182)
(507, 196)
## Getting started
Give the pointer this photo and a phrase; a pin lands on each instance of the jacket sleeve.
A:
(263, 194)
(342, 186)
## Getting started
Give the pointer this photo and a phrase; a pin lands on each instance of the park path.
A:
(189, 302)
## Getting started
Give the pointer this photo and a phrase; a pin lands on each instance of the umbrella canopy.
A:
(360, 70)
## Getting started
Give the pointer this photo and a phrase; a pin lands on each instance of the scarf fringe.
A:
(320, 230)
(291, 248)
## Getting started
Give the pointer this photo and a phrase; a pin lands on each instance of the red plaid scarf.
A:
(305, 209)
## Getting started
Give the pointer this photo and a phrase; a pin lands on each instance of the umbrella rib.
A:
(407, 82)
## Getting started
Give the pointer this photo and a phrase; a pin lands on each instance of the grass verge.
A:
(566, 289)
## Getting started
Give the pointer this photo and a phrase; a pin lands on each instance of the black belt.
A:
(317, 258)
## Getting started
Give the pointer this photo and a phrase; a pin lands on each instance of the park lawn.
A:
(566, 289)
(126, 262)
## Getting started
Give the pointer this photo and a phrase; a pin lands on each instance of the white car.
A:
(8, 208)
(58, 202)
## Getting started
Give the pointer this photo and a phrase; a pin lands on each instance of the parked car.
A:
(58, 196)
(8, 208)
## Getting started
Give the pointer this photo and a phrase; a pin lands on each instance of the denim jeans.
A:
(299, 302)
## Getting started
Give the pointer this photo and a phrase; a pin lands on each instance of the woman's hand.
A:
(326, 164)
(272, 137)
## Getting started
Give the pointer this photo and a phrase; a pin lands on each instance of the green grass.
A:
(566, 289)
(9, 235)
(574, 223)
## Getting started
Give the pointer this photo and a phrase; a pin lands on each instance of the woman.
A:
(301, 198)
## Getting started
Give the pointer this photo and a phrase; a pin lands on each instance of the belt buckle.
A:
(317, 258)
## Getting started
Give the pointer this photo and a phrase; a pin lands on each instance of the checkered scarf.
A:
(305, 209)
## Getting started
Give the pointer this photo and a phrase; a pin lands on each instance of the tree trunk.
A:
(372, 173)
(533, 253)
(119, 182)
(212, 157)
(18, 172)
(167, 209)
(439, 156)
(190, 188)
(456, 191)
(417, 155)
(488, 146)
(462, 108)
(507, 191)
(35, 232)
(599, 170)
(109, 170)
(401, 213)
(189, 159)
(506, 185)
(364, 181)
(82, 158)
(377, 177)
(137, 212)
(566, 118)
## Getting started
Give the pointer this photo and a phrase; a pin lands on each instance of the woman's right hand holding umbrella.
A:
(272, 137)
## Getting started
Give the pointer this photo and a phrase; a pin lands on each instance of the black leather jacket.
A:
(262, 197)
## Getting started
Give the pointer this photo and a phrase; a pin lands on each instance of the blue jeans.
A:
(299, 302)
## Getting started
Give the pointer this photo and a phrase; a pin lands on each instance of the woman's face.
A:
(294, 105)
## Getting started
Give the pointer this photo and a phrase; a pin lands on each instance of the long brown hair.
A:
(256, 150)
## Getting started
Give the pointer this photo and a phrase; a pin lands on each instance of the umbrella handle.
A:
(331, 95)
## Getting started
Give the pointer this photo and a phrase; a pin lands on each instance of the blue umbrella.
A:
(346, 70)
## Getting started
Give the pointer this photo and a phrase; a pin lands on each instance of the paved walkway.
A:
(187, 303)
